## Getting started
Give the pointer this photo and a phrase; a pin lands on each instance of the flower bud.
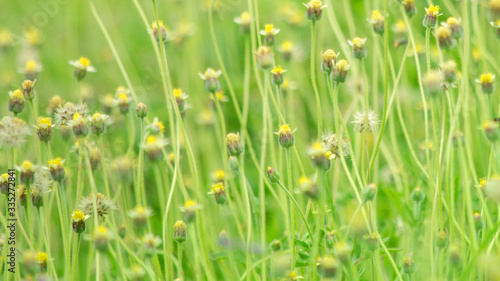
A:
(141, 110)
(189, 208)
(180, 231)
(234, 147)
(444, 38)
(275, 245)
(433, 83)
(410, 8)
(330, 239)
(329, 266)
(233, 164)
(408, 265)
(140, 215)
(450, 71)
(27, 89)
(491, 130)
(123, 102)
(339, 74)
(314, 10)
(277, 77)
(97, 123)
(329, 59)
(286, 50)
(16, 102)
(358, 47)
(377, 21)
(223, 238)
(265, 57)
(417, 195)
(159, 29)
(269, 32)
(4, 184)
(285, 135)
(371, 240)
(219, 193)
(180, 99)
(307, 187)
(42, 259)
(273, 175)
(457, 31)
(44, 129)
(102, 236)
(320, 156)
(486, 81)
(442, 239)
(478, 221)
(431, 15)
(244, 20)
(82, 66)
(369, 192)
(79, 125)
(78, 222)
(57, 171)
(211, 78)
(27, 172)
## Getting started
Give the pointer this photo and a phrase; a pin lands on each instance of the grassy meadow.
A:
(249, 140)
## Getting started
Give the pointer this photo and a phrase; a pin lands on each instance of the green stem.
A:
(313, 77)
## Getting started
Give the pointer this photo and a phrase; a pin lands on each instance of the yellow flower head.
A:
(42, 257)
(140, 210)
(122, 98)
(30, 66)
(268, 28)
(342, 65)
(287, 46)
(85, 62)
(177, 93)
(432, 10)
(44, 121)
(56, 162)
(190, 204)
(451, 21)
(155, 26)
(482, 182)
(486, 78)
(27, 166)
(151, 140)
(315, 4)
(78, 216)
(329, 55)
(217, 188)
(358, 42)
(277, 70)
(400, 26)
(377, 16)
(285, 129)
(32, 35)
(219, 175)
(5, 37)
(17, 94)
(4, 177)
(77, 117)
(304, 180)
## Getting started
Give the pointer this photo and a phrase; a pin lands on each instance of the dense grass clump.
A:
(250, 140)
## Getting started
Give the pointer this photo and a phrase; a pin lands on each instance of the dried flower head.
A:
(40, 186)
(13, 132)
(104, 205)
(366, 120)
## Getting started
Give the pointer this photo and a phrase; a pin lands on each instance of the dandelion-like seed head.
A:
(366, 120)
